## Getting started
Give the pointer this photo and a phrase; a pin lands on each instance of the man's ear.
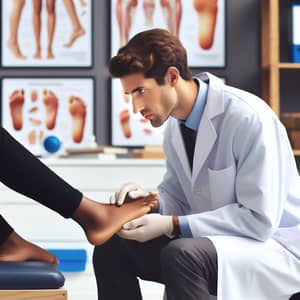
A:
(172, 76)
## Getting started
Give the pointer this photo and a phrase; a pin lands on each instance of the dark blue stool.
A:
(31, 280)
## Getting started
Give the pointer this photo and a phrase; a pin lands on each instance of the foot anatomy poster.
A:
(38, 33)
(199, 24)
(35, 108)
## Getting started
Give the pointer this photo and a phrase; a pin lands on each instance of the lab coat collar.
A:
(206, 135)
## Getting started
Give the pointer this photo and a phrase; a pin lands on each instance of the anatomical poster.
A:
(46, 33)
(199, 24)
(36, 108)
(129, 129)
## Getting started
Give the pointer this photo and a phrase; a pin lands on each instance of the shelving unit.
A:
(273, 66)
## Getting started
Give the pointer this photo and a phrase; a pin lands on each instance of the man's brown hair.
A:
(151, 53)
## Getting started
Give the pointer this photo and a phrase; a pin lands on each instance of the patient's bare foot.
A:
(15, 50)
(207, 13)
(16, 103)
(16, 249)
(101, 221)
(51, 104)
(77, 110)
(74, 36)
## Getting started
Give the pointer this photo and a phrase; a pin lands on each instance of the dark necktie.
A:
(189, 138)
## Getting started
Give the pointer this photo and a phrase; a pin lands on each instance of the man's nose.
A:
(137, 105)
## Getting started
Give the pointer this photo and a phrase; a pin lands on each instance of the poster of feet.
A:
(129, 129)
(37, 33)
(35, 108)
(200, 25)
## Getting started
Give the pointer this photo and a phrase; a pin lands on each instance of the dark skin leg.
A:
(99, 222)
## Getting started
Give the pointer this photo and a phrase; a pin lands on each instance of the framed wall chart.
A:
(42, 34)
(34, 108)
(200, 25)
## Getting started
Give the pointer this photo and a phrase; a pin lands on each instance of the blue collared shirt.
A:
(193, 122)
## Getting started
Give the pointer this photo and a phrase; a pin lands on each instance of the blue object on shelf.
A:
(296, 53)
(70, 260)
(52, 144)
(295, 47)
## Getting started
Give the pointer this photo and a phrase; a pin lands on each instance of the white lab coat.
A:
(244, 187)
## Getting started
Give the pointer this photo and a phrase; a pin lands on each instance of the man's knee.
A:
(189, 254)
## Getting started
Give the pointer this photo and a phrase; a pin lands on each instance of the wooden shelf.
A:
(289, 66)
(270, 56)
(282, 65)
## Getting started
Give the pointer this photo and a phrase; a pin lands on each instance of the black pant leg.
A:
(190, 269)
(5, 230)
(119, 262)
(24, 173)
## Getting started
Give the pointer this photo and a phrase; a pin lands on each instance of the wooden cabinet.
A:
(280, 77)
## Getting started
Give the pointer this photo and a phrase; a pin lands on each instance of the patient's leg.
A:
(101, 221)
(16, 249)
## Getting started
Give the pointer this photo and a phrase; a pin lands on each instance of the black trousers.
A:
(25, 174)
(187, 266)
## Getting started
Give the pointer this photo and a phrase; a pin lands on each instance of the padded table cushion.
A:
(29, 275)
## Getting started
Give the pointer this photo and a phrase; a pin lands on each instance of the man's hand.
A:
(147, 227)
(133, 190)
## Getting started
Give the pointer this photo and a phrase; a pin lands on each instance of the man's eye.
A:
(141, 91)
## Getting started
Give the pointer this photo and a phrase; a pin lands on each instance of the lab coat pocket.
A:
(222, 186)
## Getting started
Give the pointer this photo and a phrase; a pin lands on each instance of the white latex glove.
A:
(133, 190)
(147, 227)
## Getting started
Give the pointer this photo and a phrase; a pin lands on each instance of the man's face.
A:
(155, 102)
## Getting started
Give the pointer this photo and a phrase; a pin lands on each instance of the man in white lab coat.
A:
(228, 217)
